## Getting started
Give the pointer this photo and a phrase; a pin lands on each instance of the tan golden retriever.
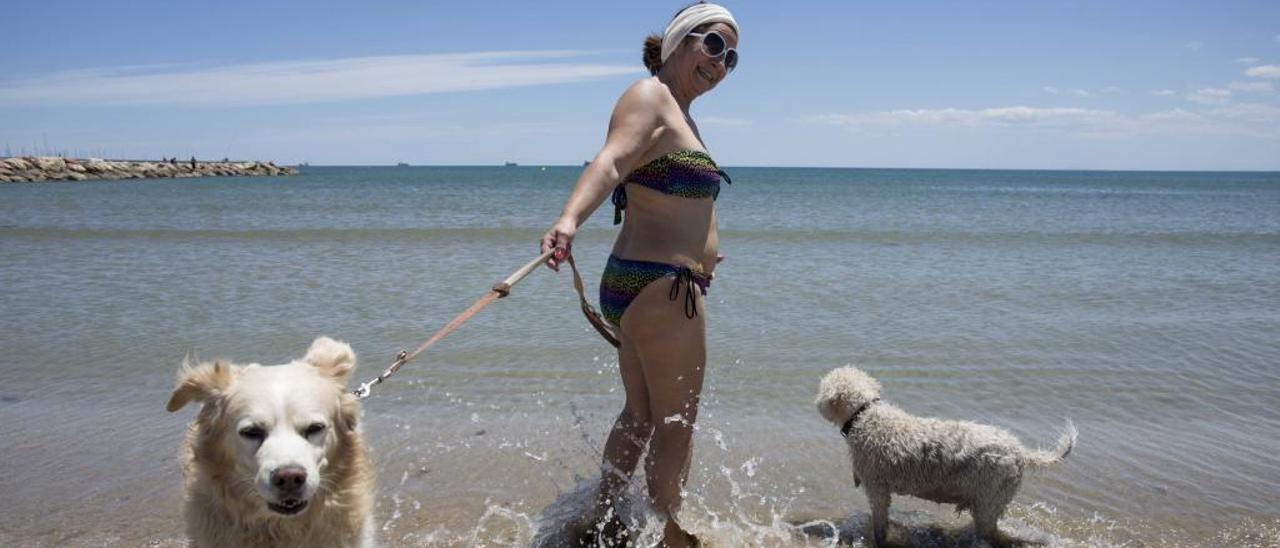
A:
(274, 458)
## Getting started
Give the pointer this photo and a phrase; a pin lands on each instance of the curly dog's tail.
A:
(1065, 443)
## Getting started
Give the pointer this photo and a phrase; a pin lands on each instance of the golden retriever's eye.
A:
(255, 433)
(313, 429)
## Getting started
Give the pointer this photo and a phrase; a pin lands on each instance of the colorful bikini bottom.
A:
(624, 279)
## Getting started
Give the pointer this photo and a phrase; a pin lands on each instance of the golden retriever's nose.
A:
(289, 479)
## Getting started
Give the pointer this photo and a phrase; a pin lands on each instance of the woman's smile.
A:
(706, 75)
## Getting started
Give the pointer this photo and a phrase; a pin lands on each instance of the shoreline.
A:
(34, 169)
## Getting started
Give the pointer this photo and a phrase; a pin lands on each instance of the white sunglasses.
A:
(714, 45)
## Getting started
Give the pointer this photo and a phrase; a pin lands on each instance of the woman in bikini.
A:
(655, 166)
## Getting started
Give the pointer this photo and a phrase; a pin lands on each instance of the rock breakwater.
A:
(29, 169)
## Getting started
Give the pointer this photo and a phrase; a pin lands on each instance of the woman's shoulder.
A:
(646, 93)
(644, 114)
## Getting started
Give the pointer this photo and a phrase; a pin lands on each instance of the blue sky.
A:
(1018, 84)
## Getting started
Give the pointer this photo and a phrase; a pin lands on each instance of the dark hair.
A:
(653, 45)
(653, 53)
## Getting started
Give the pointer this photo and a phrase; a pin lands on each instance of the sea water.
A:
(1143, 306)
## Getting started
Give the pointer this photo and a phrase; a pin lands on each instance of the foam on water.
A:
(768, 524)
(750, 514)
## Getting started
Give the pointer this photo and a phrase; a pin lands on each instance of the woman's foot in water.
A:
(607, 531)
(673, 536)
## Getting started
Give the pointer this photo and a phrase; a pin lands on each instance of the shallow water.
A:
(1143, 306)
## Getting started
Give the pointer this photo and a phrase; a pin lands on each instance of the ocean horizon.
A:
(881, 168)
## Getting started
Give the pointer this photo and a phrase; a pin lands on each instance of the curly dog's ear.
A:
(842, 391)
(334, 358)
(202, 383)
(833, 406)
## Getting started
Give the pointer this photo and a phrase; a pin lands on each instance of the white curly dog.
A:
(977, 467)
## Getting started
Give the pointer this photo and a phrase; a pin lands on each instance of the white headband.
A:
(691, 18)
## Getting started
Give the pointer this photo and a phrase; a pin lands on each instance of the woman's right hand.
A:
(560, 238)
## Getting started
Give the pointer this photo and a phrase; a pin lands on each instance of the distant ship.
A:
(511, 164)
(586, 163)
(402, 164)
(304, 164)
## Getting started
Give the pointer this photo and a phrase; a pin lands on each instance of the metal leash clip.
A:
(366, 388)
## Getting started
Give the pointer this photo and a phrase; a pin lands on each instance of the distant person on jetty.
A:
(656, 167)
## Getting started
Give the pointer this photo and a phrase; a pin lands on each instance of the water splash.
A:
(734, 499)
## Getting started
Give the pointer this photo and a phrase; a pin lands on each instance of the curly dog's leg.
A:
(879, 498)
(986, 514)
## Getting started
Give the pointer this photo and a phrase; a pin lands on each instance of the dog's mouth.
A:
(288, 507)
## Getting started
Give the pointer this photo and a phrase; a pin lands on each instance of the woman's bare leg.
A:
(672, 352)
(631, 429)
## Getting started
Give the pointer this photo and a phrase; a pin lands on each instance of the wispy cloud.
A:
(1256, 120)
(1250, 112)
(1210, 96)
(292, 82)
(722, 121)
(1081, 92)
(1255, 87)
(1247, 60)
(1163, 92)
(1194, 45)
(1001, 116)
(1264, 71)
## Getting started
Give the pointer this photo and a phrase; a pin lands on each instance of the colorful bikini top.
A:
(684, 173)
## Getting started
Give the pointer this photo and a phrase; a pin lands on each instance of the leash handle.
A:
(504, 287)
(602, 326)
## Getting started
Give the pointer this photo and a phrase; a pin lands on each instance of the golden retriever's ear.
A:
(348, 411)
(202, 383)
(332, 357)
